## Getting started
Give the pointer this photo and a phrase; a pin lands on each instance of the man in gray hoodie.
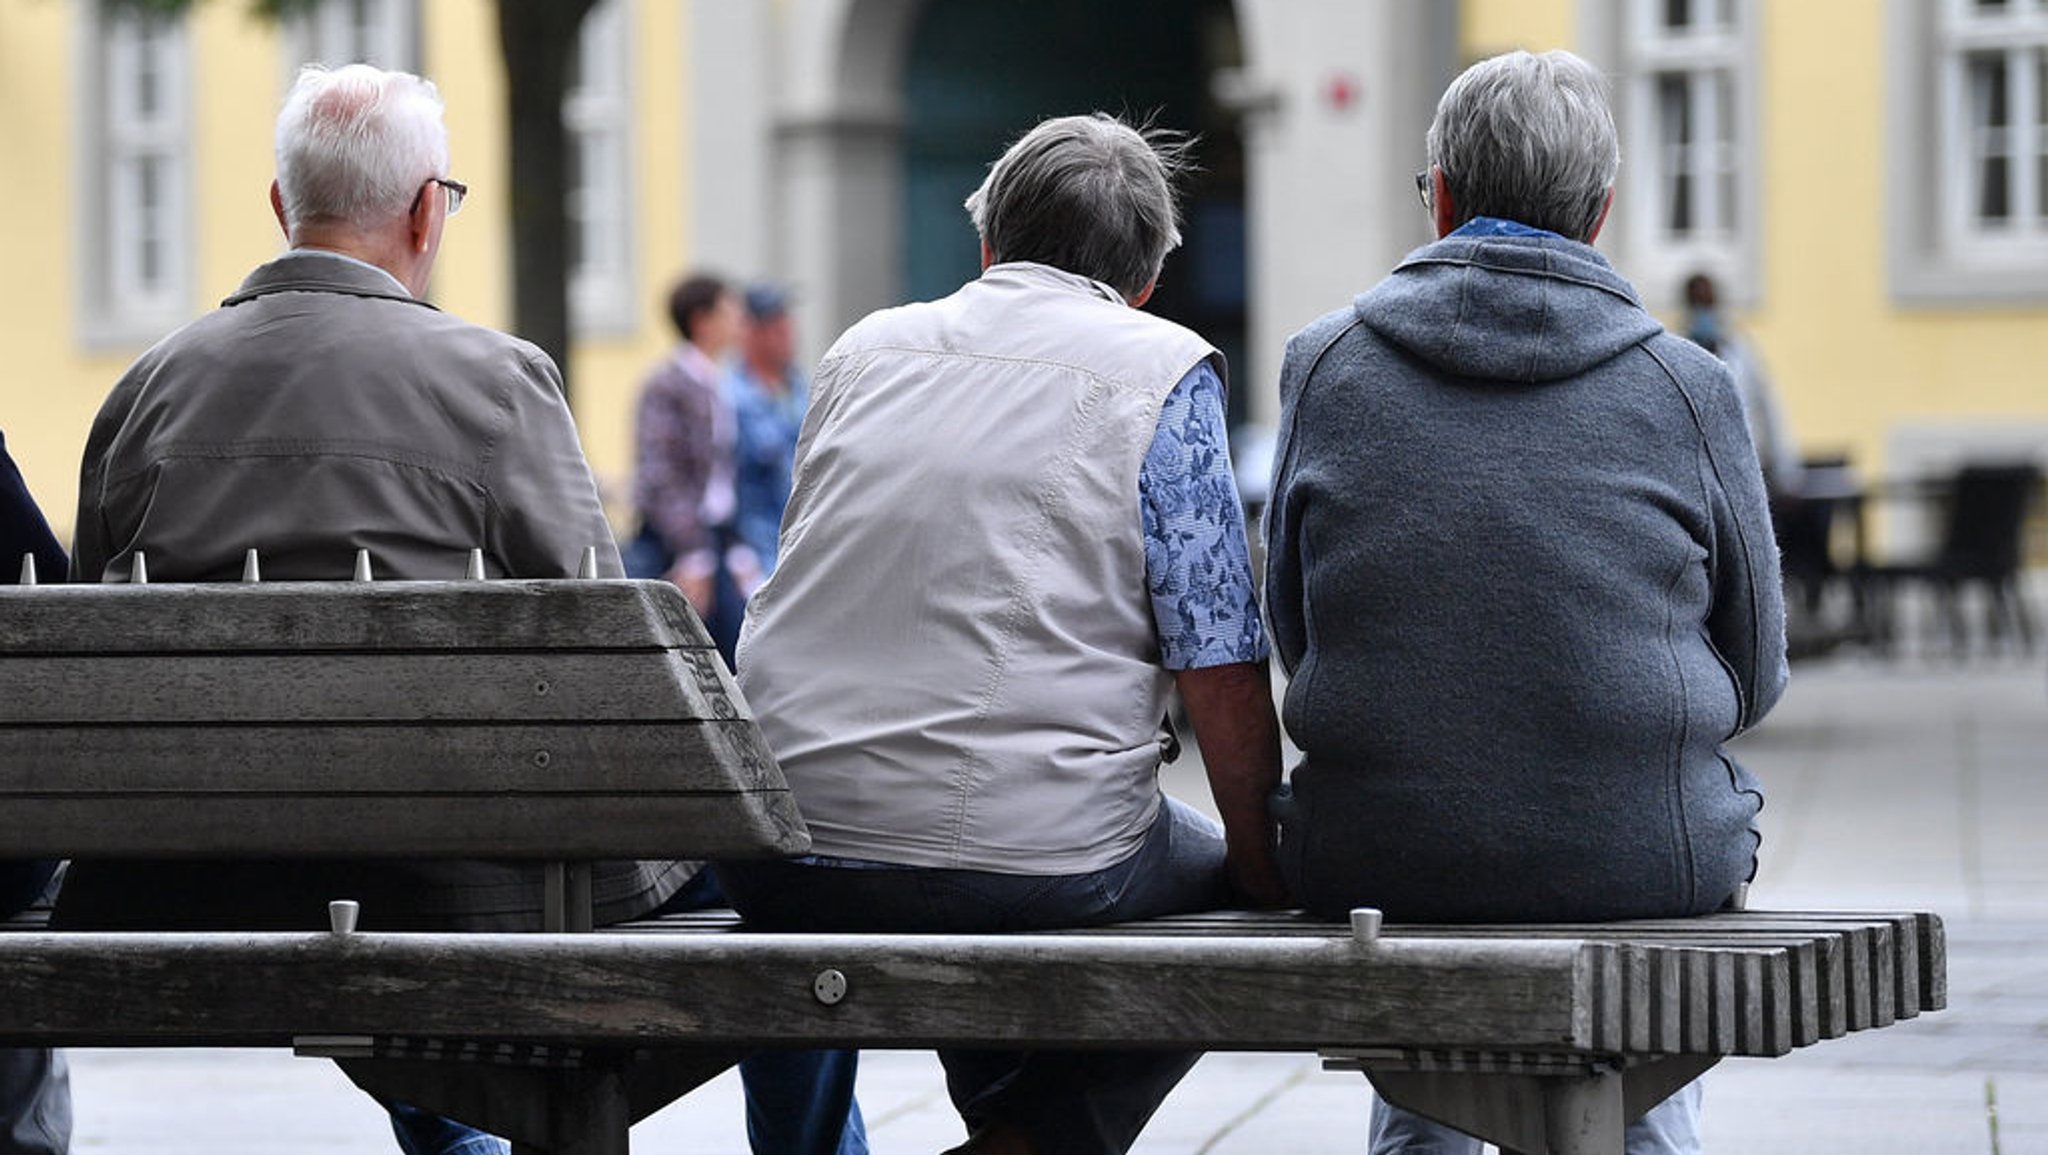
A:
(1520, 566)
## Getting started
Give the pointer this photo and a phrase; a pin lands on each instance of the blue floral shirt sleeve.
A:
(1196, 563)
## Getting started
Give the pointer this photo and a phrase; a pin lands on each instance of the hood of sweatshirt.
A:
(1522, 308)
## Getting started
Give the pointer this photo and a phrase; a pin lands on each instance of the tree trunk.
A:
(539, 38)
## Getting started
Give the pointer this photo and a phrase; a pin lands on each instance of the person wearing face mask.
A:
(1706, 324)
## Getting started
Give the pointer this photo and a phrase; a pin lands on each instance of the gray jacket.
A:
(1521, 570)
(320, 410)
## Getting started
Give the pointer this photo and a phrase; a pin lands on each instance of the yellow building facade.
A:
(229, 77)
(1837, 161)
(1895, 335)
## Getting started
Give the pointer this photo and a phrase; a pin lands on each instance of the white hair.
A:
(1088, 194)
(355, 144)
(1527, 138)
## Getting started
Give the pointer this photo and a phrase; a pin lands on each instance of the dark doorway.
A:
(981, 72)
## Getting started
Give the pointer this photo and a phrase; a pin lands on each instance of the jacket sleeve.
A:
(545, 509)
(93, 543)
(23, 529)
(1287, 498)
(1746, 622)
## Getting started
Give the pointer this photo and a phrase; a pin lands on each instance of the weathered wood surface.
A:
(901, 990)
(472, 685)
(1436, 1002)
(289, 617)
(500, 719)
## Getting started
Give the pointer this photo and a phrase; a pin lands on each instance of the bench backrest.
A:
(522, 719)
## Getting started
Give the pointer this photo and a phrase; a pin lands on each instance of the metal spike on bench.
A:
(341, 915)
(363, 565)
(252, 570)
(586, 568)
(28, 569)
(1365, 925)
(138, 569)
(475, 572)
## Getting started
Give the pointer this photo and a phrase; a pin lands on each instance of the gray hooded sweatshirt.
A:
(1521, 572)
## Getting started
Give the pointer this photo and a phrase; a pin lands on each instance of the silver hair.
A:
(355, 144)
(1088, 194)
(1528, 138)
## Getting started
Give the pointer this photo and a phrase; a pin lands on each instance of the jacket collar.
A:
(302, 271)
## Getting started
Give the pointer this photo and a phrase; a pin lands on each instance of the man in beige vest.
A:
(1012, 533)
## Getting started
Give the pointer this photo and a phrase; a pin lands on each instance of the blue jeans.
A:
(1079, 1101)
(35, 1082)
(35, 1102)
(1670, 1128)
(798, 1102)
(425, 1133)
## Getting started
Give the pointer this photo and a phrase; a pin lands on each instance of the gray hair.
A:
(1088, 194)
(1530, 139)
(355, 144)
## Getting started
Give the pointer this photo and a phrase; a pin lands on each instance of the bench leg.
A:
(1577, 1113)
(1584, 1116)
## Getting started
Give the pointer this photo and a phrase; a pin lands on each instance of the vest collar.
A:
(1031, 274)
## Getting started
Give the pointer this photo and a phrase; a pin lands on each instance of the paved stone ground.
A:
(1918, 783)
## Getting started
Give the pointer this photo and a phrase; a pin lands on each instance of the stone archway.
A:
(1335, 95)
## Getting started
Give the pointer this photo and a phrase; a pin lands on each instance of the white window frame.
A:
(385, 33)
(597, 113)
(1942, 252)
(1726, 241)
(2020, 36)
(120, 303)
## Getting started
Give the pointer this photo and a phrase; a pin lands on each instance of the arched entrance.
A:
(836, 139)
(975, 75)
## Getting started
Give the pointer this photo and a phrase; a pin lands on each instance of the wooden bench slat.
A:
(902, 990)
(316, 616)
(415, 824)
(430, 759)
(255, 689)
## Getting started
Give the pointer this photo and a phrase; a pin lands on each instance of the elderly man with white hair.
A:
(1012, 532)
(1520, 567)
(327, 408)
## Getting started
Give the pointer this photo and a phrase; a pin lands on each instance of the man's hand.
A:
(695, 578)
(1231, 707)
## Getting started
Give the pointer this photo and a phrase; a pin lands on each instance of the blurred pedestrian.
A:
(768, 394)
(1519, 567)
(1707, 325)
(683, 482)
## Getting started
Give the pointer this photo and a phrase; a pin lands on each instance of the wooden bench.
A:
(570, 720)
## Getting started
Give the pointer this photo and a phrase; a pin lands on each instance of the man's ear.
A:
(421, 221)
(1440, 206)
(277, 207)
(1144, 294)
(988, 255)
(1606, 206)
